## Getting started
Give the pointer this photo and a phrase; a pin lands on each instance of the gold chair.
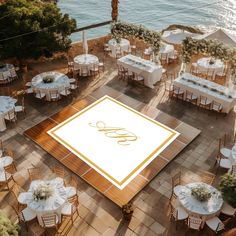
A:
(15, 191)
(194, 223)
(11, 116)
(54, 95)
(206, 177)
(164, 58)
(10, 153)
(71, 188)
(70, 209)
(210, 75)
(6, 177)
(190, 97)
(21, 107)
(101, 66)
(122, 72)
(216, 225)
(178, 93)
(38, 94)
(34, 173)
(177, 213)
(59, 171)
(50, 221)
(204, 102)
(94, 71)
(24, 216)
(216, 106)
(137, 78)
(176, 184)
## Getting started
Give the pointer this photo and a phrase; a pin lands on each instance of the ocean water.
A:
(154, 14)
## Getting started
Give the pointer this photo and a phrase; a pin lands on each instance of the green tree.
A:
(21, 17)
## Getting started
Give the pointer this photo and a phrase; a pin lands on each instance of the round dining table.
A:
(204, 65)
(5, 71)
(123, 44)
(60, 82)
(85, 62)
(53, 204)
(6, 104)
(206, 209)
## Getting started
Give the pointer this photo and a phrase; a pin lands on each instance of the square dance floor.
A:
(115, 148)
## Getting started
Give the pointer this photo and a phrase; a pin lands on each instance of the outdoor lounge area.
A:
(120, 137)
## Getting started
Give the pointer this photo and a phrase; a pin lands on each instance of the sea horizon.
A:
(154, 14)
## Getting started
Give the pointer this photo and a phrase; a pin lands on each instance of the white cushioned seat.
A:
(28, 214)
(70, 191)
(226, 152)
(214, 222)
(228, 210)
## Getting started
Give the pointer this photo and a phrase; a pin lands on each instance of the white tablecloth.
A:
(6, 104)
(5, 71)
(204, 66)
(85, 61)
(194, 207)
(61, 81)
(52, 205)
(149, 70)
(211, 90)
(167, 49)
(124, 45)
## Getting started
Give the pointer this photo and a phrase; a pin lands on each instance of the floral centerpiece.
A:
(43, 191)
(211, 61)
(48, 79)
(201, 193)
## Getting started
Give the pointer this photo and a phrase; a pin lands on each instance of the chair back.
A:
(216, 106)
(194, 223)
(34, 173)
(53, 94)
(74, 182)
(9, 152)
(206, 177)
(176, 88)
(15, 190)
(11, 115)
(49, 220)
(189, 95)
(38, 93)
(176, 179)
(59, 171)
(233, 170)
(1, 145)
(13, 72)
(203, 100)
(74, 200)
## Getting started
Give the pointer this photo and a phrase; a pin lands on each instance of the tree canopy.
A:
(51, 29)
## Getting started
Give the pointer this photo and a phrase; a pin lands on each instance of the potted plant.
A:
(7, 227)
(127, 211)
(228, 188)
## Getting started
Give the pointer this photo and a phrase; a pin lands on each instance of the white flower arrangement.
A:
(201, 193)
(43, 191)
(212, 48)
(123, 30)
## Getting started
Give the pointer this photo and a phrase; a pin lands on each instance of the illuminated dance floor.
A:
(115, 148)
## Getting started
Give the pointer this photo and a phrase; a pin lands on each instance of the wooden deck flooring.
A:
(38, 134)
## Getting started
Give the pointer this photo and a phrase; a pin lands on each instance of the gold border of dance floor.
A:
(39, 135)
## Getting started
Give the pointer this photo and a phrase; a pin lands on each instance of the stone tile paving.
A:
(98, 215)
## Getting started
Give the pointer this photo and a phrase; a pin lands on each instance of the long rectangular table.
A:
(151, 72)
(213, 91)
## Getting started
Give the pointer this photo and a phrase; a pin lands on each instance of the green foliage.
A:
(228, 188)
(23, 16)
(209, 47)
(7, 228)
(124, 30)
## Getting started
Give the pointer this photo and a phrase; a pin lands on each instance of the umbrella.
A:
(85, 44)
(176, 36)
(220, 35)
